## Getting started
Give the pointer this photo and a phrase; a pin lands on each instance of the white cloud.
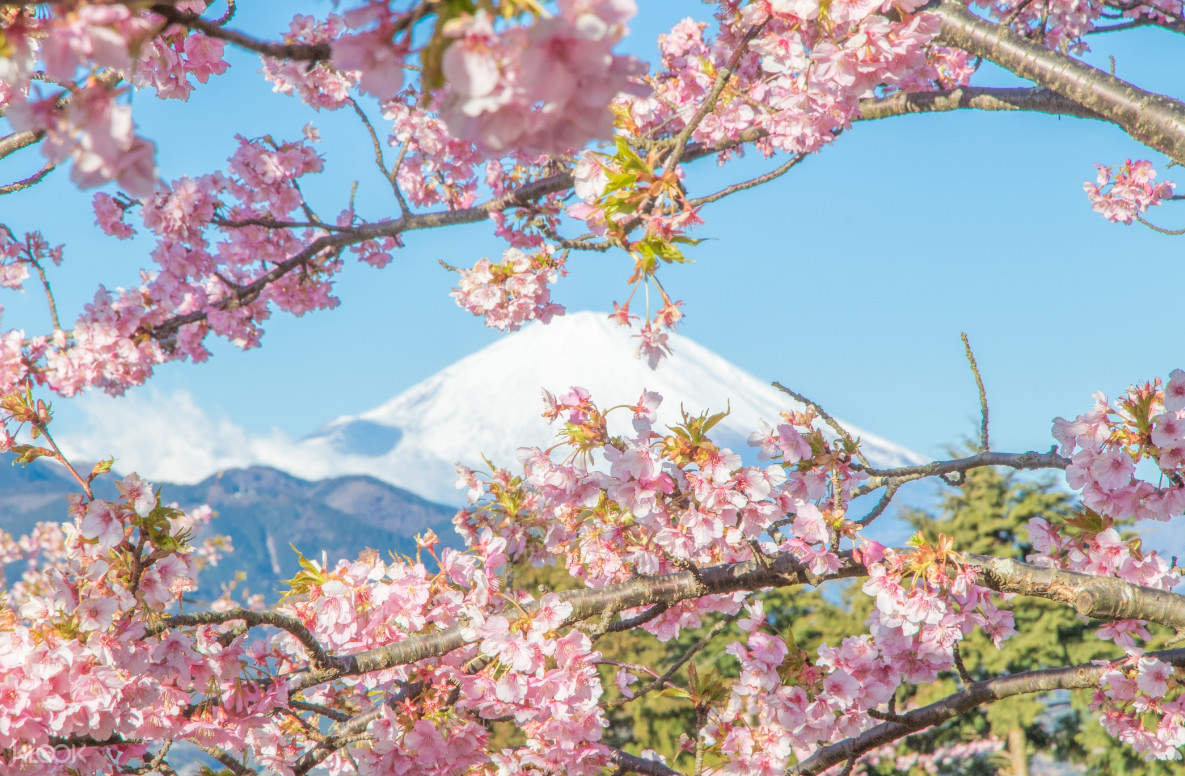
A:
(167, 436)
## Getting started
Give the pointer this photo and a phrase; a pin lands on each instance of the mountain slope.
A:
(489, 403)
(265, 512)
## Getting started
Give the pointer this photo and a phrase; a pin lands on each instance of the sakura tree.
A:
(526, 115)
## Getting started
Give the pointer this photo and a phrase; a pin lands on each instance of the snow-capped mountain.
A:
(489, 404)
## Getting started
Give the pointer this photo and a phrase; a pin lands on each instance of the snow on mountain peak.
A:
(489, 403)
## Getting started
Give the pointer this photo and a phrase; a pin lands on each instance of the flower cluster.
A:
(320, 85)
(89, 50)
(800, 78)
(1124, 195)
(1107, 443)
(74, 659)
(513, 292)
(651, 503)
(1142, 705)
(434, 166)
(543, 88)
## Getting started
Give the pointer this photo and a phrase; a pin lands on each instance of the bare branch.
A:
(1100, 598)
(1034, 100)
(10, 144)
(235, 767)
(835, 425)
(379, 159)
(751, 183)
(984, 445)
(307, 52)
(320, 658)
(1160, 229)
(1155, 120)
(638, 619)
(890, 490)
(632, 763)
(1029, 460)
(25, 183)
(660, 681)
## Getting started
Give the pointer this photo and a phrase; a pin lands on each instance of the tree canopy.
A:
(526, 115)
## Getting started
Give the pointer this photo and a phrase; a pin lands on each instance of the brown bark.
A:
(1018, 758)
(1033, 100)
(1153, 119)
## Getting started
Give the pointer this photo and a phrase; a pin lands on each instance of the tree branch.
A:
(632, 763)
(1029, 460)
(25, 183)
(1154, 120)
(1032, 99)
(348, 731)
(10, 144)
(320, 657)
(977, 694)
(1098, 597)
(306, 52)
(779, 571)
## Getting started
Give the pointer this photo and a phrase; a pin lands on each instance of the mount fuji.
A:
(488, 403)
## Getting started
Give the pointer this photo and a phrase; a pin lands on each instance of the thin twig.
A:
(379, 159)
(962, 669)
(661, 680)
(751, 183)
(61, 458)
(984, 446)
(1029, 460)
(1160, 229)
(305, 52)
(843, 433)
(890, 490)
(32, 180)
(723, 75)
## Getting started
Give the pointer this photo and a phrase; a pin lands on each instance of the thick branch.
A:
(977, 694)
(253, 619)
(309, 52)
(1029, 460)
(627, 762)
(1100, 598)
(10, 144)
(778, 571)
(1155, 120)
(1035, 100)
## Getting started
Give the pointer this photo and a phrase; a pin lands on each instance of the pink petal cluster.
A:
(808, 72)
(1124, 195)
(1140, 702)
(542, 88)
(89, 50)
(661, 502)
(513, 292)
(321, 84)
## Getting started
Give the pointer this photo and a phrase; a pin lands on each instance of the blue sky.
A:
(849, 279)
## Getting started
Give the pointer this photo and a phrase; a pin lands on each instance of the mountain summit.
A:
(489, 404)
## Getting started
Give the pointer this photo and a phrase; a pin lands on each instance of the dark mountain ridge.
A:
(265, 512)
